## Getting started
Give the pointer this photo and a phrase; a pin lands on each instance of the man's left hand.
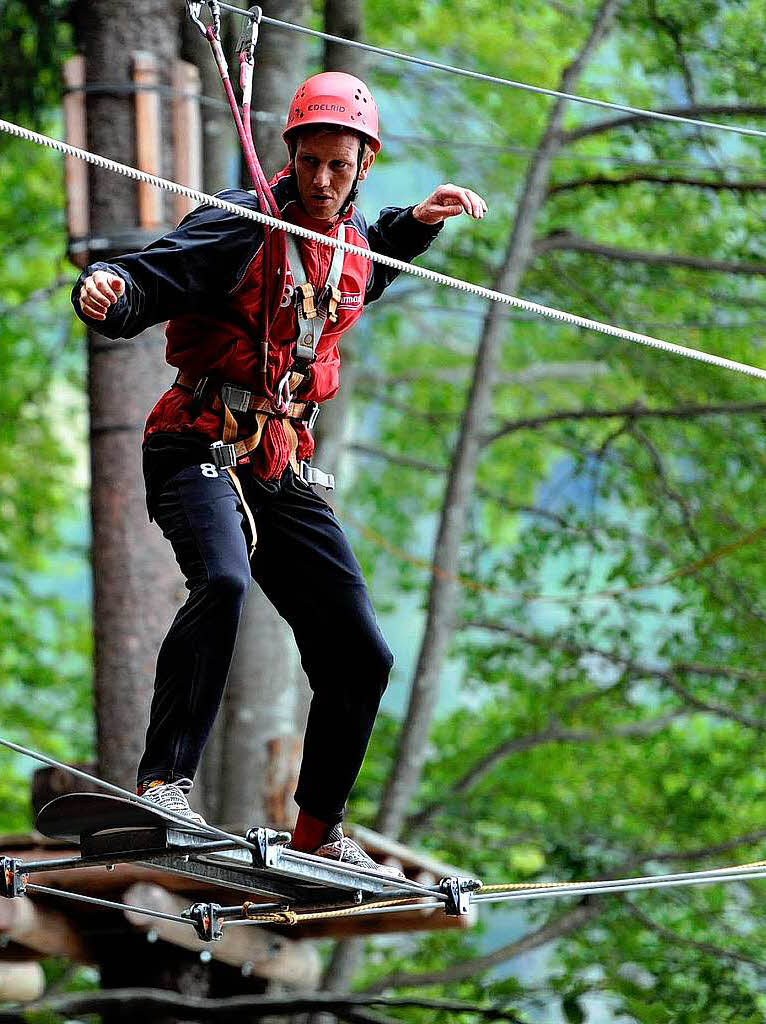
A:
(449, 201)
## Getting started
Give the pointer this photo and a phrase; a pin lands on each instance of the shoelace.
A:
(171, 795)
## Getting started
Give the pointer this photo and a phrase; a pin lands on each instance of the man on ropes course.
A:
(254, 320)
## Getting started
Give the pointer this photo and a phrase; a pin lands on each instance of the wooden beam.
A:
(21, 982)
(148, 131)
(76, 171)
(41, 929)
(187, 132)
(269, 955)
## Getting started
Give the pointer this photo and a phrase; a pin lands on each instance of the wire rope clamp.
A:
(205, 920)
(14, 881)
(266, 841)
(458, 892)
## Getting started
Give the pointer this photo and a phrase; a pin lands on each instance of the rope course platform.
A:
(113, 830)
(125, 828)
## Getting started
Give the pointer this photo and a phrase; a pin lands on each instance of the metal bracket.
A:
(204, 917)
(458, 892)
(237, 398)
(266, 840)
(248, 38)
(13, 881)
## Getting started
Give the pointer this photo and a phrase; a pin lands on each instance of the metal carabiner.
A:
(194, 10)
(248, 37)
(283, 396)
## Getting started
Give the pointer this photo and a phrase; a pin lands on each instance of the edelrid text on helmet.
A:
(335, 98)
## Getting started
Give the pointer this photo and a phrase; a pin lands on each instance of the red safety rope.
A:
(274, 251)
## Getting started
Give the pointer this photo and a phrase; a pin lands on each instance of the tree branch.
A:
(148, 1002)
(628, 412)
(679, 940)
(602, 181)
(699, 110)
(552, 734)
(564, 241)
(668, 675)
(563, 925)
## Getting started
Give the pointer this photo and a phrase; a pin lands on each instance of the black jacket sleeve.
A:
(395, 233)
(204, 258)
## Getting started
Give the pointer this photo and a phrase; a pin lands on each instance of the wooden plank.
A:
(148, 135)
(187, 132)
(40, 928)
(76, 171)
(277, 957)
(21, 982)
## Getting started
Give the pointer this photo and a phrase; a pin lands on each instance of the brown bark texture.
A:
(136, 585)
(442, 603)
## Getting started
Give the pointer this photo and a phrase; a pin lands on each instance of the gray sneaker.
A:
(171, 796)
(343, 849)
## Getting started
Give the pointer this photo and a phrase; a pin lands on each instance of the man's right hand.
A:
(100, 291)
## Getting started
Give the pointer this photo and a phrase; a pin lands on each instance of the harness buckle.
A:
(311, 475)
(237, 398)
(304, 299)
(224, 456)
(332, 296)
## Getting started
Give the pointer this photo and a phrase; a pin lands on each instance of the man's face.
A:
(325, 166)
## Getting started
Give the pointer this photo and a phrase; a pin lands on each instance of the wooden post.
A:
(76, 171)
(187, 133)
(21, 982)
(148, 145)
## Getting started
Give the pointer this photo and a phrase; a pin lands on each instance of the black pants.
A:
(306, 568)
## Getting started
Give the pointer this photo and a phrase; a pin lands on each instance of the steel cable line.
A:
(495, 79)
(485, 894)
(110, 787)
(376, 257)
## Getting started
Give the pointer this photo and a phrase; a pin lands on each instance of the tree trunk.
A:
(411, 753)
(136, 585)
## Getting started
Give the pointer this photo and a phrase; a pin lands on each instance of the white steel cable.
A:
(110, 787)
(496, 80)
(408, 268)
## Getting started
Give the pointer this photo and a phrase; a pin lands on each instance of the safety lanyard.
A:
(273, 241)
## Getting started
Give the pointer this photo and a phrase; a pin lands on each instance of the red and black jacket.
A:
(205, 279)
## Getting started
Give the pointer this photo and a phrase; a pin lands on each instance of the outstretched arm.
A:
(200, 261)
(407, 233)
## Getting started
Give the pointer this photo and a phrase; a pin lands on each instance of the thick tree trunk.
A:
(136, 585)
(412, 749)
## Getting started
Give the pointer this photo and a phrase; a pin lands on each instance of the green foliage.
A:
(34, 38)
(44, 623)
(610, 647)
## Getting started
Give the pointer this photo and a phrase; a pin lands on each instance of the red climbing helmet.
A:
(334, 98)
